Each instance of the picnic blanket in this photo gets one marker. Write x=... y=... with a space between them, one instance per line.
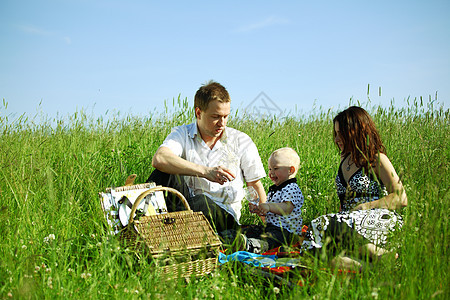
x=282 y=265
x=275 y=265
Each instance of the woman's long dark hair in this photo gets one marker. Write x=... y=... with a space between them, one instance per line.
x=359 y=136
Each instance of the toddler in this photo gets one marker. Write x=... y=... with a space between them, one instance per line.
x=282 y=210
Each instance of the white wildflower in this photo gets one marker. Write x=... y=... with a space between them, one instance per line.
x=50 y=282
x=374 y=293
x=49 y=238
x=276 y=290
x=85 y=275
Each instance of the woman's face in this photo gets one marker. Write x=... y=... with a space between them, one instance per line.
x=338 y=140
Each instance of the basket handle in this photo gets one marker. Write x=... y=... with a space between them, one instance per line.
x=152 y=190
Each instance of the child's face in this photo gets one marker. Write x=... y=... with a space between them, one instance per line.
x=279 y=170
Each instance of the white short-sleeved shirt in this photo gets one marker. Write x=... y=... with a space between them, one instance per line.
x=235 y=150
x=287 y=191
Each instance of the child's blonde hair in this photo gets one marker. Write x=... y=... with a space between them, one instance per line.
x=288 y=155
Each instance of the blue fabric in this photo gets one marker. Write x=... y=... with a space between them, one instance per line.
x=256 y=260
x=259 y=260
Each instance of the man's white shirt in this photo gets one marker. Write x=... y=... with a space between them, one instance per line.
x=235 y=150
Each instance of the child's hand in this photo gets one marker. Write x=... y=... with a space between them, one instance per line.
x=264 y=208
x=252 y=208
x=284 y=208
x=261 y=210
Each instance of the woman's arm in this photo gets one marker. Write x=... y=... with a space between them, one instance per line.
x=397 y=196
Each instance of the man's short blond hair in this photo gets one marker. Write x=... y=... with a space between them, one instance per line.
x=208 y=92
x=288 y=156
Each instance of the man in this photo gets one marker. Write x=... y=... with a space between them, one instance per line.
x=212 y=160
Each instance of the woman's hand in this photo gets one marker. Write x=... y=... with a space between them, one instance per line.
x=361 y=206
x=386 y=173
x=396 y=198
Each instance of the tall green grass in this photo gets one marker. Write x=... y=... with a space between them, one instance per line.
x=53 y=241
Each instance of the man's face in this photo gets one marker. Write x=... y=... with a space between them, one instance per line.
x=213 y=120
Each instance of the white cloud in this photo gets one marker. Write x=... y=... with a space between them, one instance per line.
x=270 y=21
x=67 y=40
x=41 y=32
x=34 y=30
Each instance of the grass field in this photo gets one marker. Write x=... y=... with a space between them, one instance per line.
x=53 y=241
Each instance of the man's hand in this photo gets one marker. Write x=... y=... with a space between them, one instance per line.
x=166 y=161
x=219 y=174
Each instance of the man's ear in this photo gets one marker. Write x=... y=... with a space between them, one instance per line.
x=197 y=112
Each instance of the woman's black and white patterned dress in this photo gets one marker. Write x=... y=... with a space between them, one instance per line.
x=373 y=225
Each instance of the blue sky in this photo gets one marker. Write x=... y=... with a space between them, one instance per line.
x=58 y=57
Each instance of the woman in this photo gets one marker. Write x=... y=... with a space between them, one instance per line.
x=368 y=187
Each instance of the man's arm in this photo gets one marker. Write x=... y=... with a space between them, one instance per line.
x=257 y=185
x=166 y=161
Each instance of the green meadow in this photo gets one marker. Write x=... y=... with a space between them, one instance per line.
x=53 y=235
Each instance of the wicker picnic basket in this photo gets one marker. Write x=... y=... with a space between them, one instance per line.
x=182 y=243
